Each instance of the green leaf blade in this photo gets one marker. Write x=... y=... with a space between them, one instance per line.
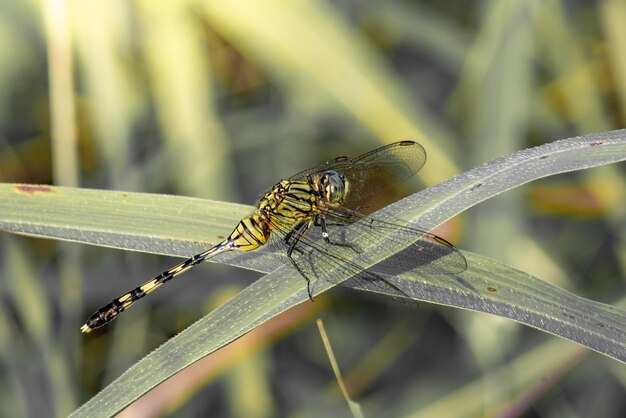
x=492 y=287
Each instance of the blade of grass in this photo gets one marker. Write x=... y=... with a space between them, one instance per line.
x=181 y=77
x=613 y=12
x=157 y=224
x=493 y=287
x=355 y=408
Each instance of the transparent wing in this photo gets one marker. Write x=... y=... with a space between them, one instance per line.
x=374 y=171
x=428 y=252
x=317 y=260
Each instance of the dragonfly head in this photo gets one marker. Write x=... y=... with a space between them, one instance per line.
x=333 y=186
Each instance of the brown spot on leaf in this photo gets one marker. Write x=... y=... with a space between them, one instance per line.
x=30 y=189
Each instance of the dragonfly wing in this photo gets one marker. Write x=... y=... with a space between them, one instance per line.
x=317 y=261
x=374 y=171
x=382 y=168
x=424 y=250
x=332 y=262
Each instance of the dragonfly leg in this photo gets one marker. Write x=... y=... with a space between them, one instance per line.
x=291 y=239
x=308 y=281
x=358 y=209
x=321 y=222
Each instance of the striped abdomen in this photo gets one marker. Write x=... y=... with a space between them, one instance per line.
x=249 y=234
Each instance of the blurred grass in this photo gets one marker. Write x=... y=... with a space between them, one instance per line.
x=220 y=99
x=65 y=171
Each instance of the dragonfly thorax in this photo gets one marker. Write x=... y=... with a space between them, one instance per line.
x=288 y=203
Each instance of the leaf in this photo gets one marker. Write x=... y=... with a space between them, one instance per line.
x=486 y=286
x=158 y=224
x=493 y=287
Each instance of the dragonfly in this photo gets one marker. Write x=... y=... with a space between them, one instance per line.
x=304 y=219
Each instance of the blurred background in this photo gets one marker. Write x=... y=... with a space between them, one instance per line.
x=220 y=99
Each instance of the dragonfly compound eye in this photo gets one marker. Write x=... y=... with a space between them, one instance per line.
x=334 y=187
